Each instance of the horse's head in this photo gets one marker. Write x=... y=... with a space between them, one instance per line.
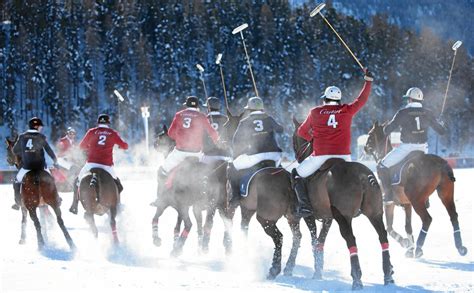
x=12 y=159
x=301 y=147
x=378 y=143
x=163 y=143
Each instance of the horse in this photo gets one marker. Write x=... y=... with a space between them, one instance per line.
x=183 y=194
x=414 y=190
x=37 y=187
x=99 y=194
x=271 y=197
x=342 y=190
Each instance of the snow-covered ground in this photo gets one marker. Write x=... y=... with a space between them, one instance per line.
x=138 y=266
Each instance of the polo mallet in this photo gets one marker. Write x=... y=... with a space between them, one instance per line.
x=317 y=10
x=218 y=62
x=201 y=70
x=239 y=29
x=455 y=49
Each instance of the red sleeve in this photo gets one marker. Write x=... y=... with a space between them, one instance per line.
x=209 y=129
x=358 y=103
x=84 y=144
x=61 y=146
x=305 y=130
x=120 y=142
x=172 y=131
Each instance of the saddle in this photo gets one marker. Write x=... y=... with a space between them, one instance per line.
x=248 y=174
x=397 y=170
x=324 y=168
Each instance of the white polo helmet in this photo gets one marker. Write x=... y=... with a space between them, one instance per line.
x=414 y=93
x=332 y=93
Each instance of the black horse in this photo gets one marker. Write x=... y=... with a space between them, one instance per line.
x=343 y=190
x=423 y=175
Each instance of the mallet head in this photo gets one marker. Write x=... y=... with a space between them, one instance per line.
x=317 y=9
x=199 y=67
x=219 y=58
x=457 y=45
x=240 y=28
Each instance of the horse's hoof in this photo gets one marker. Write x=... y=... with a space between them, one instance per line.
x=357 y=285
x=288 y=272
x=176 y=252
x=418 y=252
x=273 y=273
x=405 y=242
x=409 y=253
x=22 y=241
x=317 y=276
x=157 y=241
x=73 y=210
x=388 y=280
x=462 y=250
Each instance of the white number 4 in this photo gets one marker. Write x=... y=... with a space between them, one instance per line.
x=29 y=144
x=332 y=121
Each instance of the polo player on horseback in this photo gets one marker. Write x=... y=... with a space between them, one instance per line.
x=413 y=120
x=253 y=142
x=213 y=153
x=99 y=143
x=30 y=146
x=187 y=129
x=328 y=127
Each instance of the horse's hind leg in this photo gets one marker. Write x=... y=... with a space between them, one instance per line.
x=178 y=246
x=89 y=216
x=318 y=249
x=34 y=218
x=154 y=225
x=177 y=228
x=409 y=242
x=272 y=230
x=389 y=213
x=345 y=227
x=227 y=240
x=246 y=217
x=208 y=228
x=377 y=222
x=24 y=213
x=113 y=224
x=296 y=232
x=446 y=194
x=426 y=220
x=60 y=221
x=198 y=216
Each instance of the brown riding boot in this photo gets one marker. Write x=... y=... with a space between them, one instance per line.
x=303 y=208
x=17 y=192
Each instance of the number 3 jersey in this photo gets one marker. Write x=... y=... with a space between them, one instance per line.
x=329 y=126
x=99 y=143
x=30 y=146
x=414 y=121
x=188 y=129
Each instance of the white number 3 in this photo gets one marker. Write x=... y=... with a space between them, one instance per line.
x=187 y=122
x=332 y=121
x=258 y=125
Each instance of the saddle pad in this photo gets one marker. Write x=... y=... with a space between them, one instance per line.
x=396 y=171
x=247 y=178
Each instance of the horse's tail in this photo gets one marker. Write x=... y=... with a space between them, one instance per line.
x=95 y=183
x=448 y=171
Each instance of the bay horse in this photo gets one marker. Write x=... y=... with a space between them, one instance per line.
x=271 y=197
x=37 y=187
x=423 y=175
x=342 y=190
x=99 y=194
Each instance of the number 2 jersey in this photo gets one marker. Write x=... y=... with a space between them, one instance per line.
x=329 y=126
x=414 y=121
x=31 y=146
x=99 y=143
x=188 y=129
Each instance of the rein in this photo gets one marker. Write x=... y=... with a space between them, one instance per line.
x=298 y=156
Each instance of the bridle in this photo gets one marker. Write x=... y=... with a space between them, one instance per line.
x=374 y=151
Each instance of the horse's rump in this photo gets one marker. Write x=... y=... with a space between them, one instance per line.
x=187 y=184
x=104 y=188
x=38 y=187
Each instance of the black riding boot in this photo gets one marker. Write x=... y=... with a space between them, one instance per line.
x=385 y=179
x=161 y=186
x=298 y=184
x=16 y=189
x=75 y=197
x=234 y=176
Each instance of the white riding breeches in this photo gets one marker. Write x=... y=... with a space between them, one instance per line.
x=176 y=157
x=22 y=172
x=88 y=166
x=396 y=155
x=211 y=159
x=245 y=161
x=313 y=163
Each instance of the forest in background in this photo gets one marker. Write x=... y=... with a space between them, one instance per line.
x=62 y=60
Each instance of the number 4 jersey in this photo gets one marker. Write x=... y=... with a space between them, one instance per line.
x=30 y=146
x=329 y=126
x=99 y=144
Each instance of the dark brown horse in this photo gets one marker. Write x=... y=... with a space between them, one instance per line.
x=424 y=174
x=271 y=197
x=342 y=190
x=37 y=187
x=99 y=194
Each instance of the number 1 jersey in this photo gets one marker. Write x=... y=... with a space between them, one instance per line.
x=99 y=144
